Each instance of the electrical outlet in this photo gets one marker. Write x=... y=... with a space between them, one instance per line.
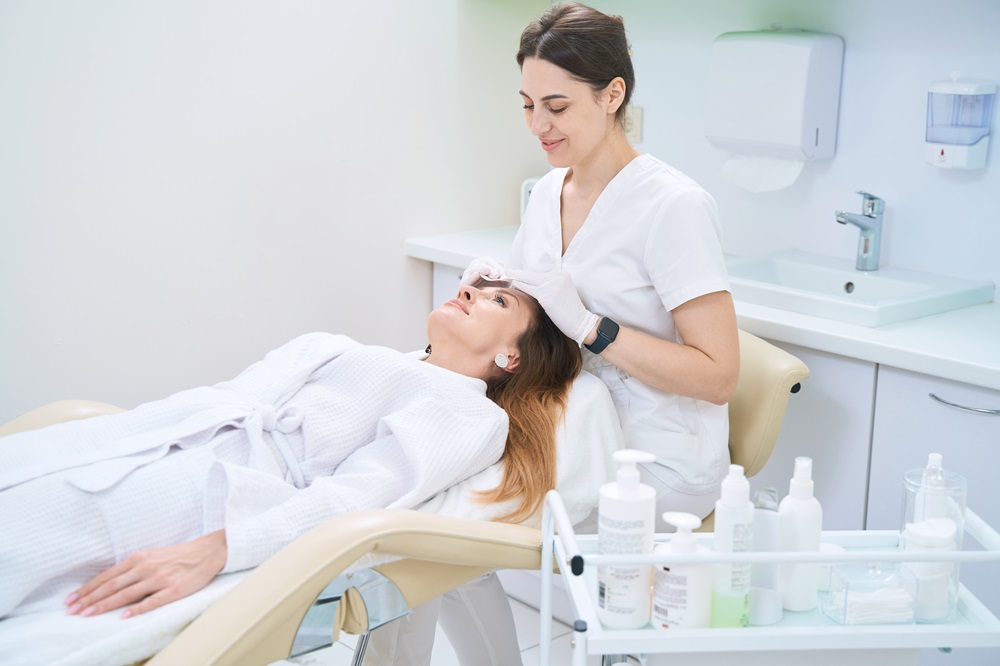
x=633 y=124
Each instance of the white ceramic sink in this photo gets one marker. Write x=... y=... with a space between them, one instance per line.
x=831 y=287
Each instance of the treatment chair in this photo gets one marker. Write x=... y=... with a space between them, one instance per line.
x=256 y=622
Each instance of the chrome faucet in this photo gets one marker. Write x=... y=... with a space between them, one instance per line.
x=870 y=224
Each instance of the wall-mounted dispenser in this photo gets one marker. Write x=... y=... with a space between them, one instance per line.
x=775 y=93
x=959 y=116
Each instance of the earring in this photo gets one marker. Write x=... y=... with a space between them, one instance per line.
x=428 y=350
x=501 y=361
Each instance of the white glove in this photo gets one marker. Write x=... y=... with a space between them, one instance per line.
x=559 y=299
x=486 y=267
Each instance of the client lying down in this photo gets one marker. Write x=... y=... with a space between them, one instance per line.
x=145 y=507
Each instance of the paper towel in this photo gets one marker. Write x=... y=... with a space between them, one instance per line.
x=761 y=174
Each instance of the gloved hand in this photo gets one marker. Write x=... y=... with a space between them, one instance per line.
x=486 y=267
x=560 y=300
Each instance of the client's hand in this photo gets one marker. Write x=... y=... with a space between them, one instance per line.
x=152 y=577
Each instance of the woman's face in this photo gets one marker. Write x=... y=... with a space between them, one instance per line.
x=480 y=323
x=563 y=112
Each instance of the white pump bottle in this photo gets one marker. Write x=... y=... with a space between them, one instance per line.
x=625 y=524
x=733 y=534
x=801 y=531
x=682 y=593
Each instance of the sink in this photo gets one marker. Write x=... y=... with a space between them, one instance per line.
x=831 y=287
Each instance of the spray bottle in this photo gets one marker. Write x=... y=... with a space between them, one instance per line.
x=626 y=512
x=801 y=531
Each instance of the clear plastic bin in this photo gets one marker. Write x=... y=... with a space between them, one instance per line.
x=877 y=593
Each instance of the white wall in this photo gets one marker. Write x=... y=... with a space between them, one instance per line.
x=936 y=220
x=186 y=185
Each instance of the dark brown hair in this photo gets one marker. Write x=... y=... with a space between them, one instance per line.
x=534 y=397
x=588 y=44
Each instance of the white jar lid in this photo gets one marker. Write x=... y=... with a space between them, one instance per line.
x=964 y=87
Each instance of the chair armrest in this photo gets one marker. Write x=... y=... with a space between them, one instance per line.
x=256 y=622
x=57 y=412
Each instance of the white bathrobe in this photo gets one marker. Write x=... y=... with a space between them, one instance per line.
x=321 y=426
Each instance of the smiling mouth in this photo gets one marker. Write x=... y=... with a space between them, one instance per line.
x=549 y=144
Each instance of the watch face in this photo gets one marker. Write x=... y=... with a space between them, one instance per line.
x=608 y=329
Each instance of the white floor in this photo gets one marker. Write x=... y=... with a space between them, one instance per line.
x=525 y=617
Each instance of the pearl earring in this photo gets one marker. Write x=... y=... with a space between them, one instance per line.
x=501 y=361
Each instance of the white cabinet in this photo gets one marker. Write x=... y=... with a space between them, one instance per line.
x=830 y=421
x=445 y=282
x=909 y=424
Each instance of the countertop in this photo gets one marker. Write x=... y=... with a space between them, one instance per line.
x=961 y=345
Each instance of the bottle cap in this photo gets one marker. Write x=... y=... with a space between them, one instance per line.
x=683 y=540
x=801 y=485
x=628 y=473
x=735 y=488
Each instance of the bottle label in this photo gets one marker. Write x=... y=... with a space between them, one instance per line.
x=735 y=578
x=619 y=585
x=670 y=598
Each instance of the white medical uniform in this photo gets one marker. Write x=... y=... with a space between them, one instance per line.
x=321 y=426
x=650 y=243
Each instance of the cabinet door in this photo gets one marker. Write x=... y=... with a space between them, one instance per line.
x=909 y=424
x=829 y=420
x=445 y=283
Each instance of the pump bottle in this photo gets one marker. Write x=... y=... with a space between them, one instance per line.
x=682 y=593
x=626 y=512
x=801 y=531
x=733 y=534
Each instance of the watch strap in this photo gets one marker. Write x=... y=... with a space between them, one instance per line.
x=607 y=331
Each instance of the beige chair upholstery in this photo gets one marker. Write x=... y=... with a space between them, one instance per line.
x=768 y=375
x=255 y=623
x=57 y=412
x=756 y=411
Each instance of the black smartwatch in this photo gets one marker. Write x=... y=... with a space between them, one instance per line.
x=607 y=331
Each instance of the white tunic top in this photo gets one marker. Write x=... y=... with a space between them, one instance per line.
x=651 y=242
x=321 y=426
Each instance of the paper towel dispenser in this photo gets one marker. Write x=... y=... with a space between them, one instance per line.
x=775 y=93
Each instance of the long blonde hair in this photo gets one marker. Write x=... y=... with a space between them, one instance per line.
x=534 y=397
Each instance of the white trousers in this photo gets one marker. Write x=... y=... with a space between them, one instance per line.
x=477 y=617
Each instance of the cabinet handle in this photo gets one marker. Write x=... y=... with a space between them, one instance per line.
x=977 y=410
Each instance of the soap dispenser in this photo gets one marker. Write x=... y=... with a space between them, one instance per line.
x=626 y=511
x=959 y=117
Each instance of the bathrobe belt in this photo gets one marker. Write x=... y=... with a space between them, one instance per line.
x=277 y=424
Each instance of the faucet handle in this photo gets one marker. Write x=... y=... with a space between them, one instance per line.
x=871 y=205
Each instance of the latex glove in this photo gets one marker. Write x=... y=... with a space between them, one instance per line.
x=152 y=577
x=486 y=267
x=560 y=300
